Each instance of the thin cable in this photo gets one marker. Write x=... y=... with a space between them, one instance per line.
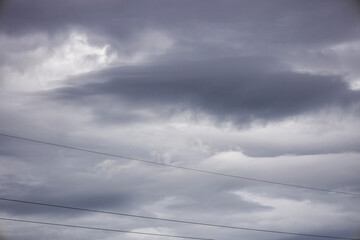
x=158 y=234
x=105 y=229
x=172 y=220
x=179 y=167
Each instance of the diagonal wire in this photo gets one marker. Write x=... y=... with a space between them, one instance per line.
x=103 y=229
x=172 y=220
x=154 y=234
x=180 y=167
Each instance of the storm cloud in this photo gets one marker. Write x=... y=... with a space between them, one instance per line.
x=238 y=90
x=267 y=90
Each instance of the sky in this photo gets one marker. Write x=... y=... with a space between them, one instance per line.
x=266 y=90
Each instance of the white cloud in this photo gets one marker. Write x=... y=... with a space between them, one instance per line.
x=338 y=59
x=38 y=61
x=47 y=60
x=294 y=215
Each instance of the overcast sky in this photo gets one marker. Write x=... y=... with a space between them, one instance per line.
x=259 y=89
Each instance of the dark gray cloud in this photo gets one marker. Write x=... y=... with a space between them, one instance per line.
x=295 y=22
x=242 y=62
x=238 y=90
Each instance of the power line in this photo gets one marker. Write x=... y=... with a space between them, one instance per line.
x=167 y=219
x=104 y=229
x=180 y=167
x=167 y=235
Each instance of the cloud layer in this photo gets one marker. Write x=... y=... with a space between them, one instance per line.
x=241 y=90
x=259 y=89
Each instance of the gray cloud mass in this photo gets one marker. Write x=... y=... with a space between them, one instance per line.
x=237 y=90
x=260 y=89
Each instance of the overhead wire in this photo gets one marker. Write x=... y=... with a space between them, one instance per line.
x=159 y=234
x=180 y=167
x=103 y=229
x=165 y=219
x=156 y=218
